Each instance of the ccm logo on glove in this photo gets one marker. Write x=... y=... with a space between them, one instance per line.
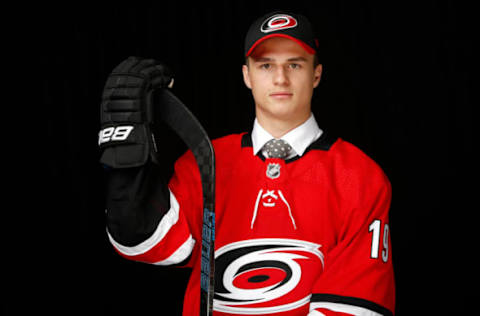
x=117 y=133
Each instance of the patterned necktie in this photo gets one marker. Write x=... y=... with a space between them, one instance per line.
x=277 y=148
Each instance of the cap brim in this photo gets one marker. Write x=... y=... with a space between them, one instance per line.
x=305 y=46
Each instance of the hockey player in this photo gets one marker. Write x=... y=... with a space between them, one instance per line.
x=302 y=222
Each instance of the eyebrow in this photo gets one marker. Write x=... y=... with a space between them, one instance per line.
x=297 y=59
x=266 y=59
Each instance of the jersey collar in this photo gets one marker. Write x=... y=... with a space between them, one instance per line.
x=299 y=138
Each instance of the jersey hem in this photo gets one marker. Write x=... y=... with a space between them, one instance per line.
x=354 y=301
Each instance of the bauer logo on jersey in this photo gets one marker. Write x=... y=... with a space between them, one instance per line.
x=263 y=276
x=278 y=22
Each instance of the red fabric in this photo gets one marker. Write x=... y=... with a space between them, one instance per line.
x=333 y=196
x=312 y=229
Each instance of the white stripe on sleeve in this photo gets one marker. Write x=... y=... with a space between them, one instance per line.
x=180 y=254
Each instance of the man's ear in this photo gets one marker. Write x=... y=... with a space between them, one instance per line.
x=246 y=77
x=317 y=74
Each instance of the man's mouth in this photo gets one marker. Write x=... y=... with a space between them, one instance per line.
x=281 y=95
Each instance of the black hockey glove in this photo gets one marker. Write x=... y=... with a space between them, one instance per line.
x=126 y=117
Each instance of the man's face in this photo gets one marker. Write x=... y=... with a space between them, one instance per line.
x=281 y=75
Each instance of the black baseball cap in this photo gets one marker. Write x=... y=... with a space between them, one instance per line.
x=281 y=24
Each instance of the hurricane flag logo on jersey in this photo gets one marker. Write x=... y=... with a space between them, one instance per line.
x=278 y=22
x=261 y=276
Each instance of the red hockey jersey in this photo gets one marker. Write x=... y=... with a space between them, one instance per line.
x=305 y=236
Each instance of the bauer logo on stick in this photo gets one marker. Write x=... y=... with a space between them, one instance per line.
x=278 y=22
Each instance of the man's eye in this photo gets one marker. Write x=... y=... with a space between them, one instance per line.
x=295 y=66
x=265 y=66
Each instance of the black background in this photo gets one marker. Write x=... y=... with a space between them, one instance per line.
x=397 y=83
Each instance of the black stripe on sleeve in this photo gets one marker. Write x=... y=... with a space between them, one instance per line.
x=354 y=301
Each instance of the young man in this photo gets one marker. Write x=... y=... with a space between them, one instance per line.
x=301 y=216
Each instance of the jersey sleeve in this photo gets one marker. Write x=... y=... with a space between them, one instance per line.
x=160 y=216
x=358 y=275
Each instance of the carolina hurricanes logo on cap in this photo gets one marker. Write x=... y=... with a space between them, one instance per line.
x=278 y=22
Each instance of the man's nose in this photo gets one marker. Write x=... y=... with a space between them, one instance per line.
x=281 y=76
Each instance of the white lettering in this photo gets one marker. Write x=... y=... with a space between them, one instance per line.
x=118 y=133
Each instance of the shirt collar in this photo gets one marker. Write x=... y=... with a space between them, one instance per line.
x=299 y=138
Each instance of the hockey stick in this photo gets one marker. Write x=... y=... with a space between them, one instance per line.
x=178 y=117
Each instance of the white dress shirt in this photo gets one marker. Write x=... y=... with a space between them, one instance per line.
x=299 y=138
